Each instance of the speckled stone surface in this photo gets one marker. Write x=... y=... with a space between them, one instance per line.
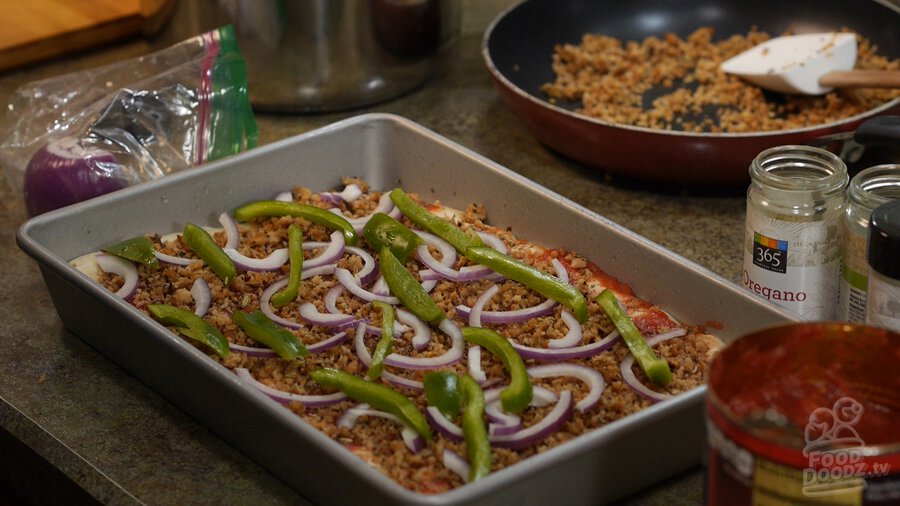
x=124 y=444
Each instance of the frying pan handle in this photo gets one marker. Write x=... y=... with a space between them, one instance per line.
x=879 y=131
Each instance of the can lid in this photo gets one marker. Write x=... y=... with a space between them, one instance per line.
x=884 y=240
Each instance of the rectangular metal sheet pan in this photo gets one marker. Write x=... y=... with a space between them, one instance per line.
x=386 y=150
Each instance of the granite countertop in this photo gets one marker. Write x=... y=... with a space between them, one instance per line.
x=90 y=423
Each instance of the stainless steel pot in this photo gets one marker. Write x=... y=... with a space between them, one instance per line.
x=327 y=55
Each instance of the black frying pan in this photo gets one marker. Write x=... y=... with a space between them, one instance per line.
x=518 y=47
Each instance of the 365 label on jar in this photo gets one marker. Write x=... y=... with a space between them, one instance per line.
x=794 y=264
x=770 y=254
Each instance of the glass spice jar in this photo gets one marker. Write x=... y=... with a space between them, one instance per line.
x=869 y=189
x=883 y=308
x=795 y=205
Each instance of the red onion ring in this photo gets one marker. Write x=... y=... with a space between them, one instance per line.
x=456 y=463
x=421 y=331
x=411 y=439
x=558 y=355
x=232 y=234
x=512 y=316
x=379 y=287
x=350 y=193
x=331 y=254
x=504 y=423
x=366 y=358
x=474 y=358
x=312 y=401
x=593 y=378
x=319 y=347
x=266 y=307
x=352 y=285
x=284 y=196
x=628 y=373
x=535 y=433
x=273 y=262
x=451 y=357
x=443 y=425
x=202 y=296
x=370 y=268
x=311 y=314
x=385 y=205
x=117 y=265
x=253 y=351
x=573 y=336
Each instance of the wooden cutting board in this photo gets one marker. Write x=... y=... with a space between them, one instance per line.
x=38 y=29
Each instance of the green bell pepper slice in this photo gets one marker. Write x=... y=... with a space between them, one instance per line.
x=137 y=249
x=518 y=394
x=386 y=343
x=263 y=330
x=384 y=231
x=295 y=253
x=442 y=391
x=190 y=325
x=204 y=246
x=478 y=446
x=434 y=224
x=376 y=395
x=543 y=283
x=410 y=292
x=656 y=368
x=265 y=208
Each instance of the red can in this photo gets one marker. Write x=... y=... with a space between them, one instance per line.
x=807 y=414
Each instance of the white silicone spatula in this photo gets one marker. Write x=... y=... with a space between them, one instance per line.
x=811 y=64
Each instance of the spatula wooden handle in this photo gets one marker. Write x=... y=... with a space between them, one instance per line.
x=861 y=79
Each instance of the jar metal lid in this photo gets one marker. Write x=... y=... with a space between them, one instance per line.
x=884 y=240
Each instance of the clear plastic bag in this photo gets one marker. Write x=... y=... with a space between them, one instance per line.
x=86 y=133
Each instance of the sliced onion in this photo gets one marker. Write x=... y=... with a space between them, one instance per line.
x=349 y=282
x=284 y=197
x=411 y=439
x=350 y=193
x=474 y=361
x=560 y=354
x=456 y=463
x=449 y=358
x=561 y=271
x=273 y=262
x=232 y=234
x=443 y=424
x=573 y=336
x=366 y=358
x=443 y=269
x=331 y=254
x=595 y=381
x=174 y=260
x=539 y=431
x=474 y=358
x=385 y=205
x=253 y=351
x=512 y=316
x=493 y=241
x=311 y=314
x=504 y=423
x=117 y=265
x=370 y=268
x=628 y=373
x=266 y=307
x=331 y=297
x=421 y=331
x=380 y=287
x=202 y=296
x=322 y=270
x=283 y=397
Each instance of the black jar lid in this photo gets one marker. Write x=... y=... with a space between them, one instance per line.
x=884 y=239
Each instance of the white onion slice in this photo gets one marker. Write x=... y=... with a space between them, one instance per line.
x=117 y=265
x=202 y=296
x=288 y=397
x=411 y=439
x=174 y=260
x=560 y=354
x=595 y=381
x=366 y=358
x=449 y=358
x=232 y=234
x=352 y=285
x=456 y=463
x=573 y=336
x=284 y=197
x=273 y=262
x=535 y=433
x=628 y=373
